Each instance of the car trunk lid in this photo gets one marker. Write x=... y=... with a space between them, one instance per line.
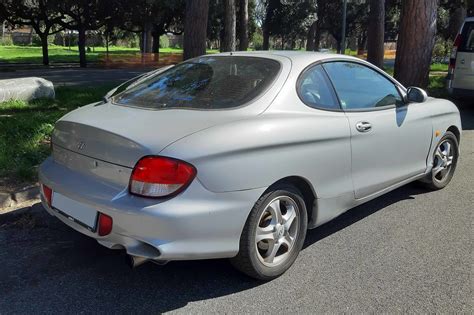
x=122 y=135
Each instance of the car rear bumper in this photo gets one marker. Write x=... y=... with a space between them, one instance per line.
x=197 y=224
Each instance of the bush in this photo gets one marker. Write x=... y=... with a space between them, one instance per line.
x=164 y=41
x=36 y=40
x=257 y=41
x=6 y=41
x=441 y=50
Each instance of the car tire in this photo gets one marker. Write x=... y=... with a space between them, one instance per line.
x=280 y=238
x=445 y=158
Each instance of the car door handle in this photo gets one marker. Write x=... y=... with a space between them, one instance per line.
x=363 y=126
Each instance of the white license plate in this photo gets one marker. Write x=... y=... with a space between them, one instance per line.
x=75 y=211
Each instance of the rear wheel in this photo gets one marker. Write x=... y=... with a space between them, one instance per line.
x=273 y=234
x=444 y=162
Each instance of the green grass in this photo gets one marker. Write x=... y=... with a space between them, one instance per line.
x=441 y=67
x=25 y=129
x=57 y=54
x=61 y=54
x=437 y=86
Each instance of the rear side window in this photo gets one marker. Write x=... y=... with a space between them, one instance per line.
x=218 y=82
x=316 y=91
x=467 y=44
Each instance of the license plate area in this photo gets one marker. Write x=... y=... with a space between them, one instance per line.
x=77 y=212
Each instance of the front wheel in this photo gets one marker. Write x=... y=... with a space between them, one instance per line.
x=273 y=234
x=444 y=162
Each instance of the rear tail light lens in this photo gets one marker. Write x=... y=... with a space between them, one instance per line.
x=157 y=176
x=454 y=52
x=452 y=59
x=105 y=224
x=47 y=194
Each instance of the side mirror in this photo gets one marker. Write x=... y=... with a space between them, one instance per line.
x=416 y=95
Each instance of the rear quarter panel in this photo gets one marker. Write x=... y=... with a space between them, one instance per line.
x=257 y=152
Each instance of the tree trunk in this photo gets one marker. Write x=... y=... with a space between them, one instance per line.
x=44 y=46
x=375 y=33
x=44 y=41
x=107 y=45
x=147 y=38
x=195 y=28
x=266 y=24
x=244 y=21
x=310 y=36
x=81 y=44
x=156 y=46
x=317 y=38
x=229 y=26
x=266 y=38
x=361 y=43
x=415 y=42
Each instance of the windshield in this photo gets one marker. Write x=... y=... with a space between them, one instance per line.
x=205 y=83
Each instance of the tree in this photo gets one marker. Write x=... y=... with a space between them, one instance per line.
x=310 y=37
x=152 y=18
x=328 y=20
x=267 y=22
x=451 y=15
x=39 y=14
x=83 y=16
x=229 y=41
x=288 y=22
x=195 y=26
x=415 y=42
x=375 y=33
x=244 y=21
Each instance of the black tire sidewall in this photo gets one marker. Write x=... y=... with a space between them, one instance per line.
x=441 y=184
x=264 y=272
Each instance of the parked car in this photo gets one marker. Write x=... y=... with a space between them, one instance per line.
x=236 y=155
x=461 y=65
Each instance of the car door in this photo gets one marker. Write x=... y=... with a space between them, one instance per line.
x=389 y=139
x=464 y=71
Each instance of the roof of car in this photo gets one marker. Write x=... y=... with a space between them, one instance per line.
x=293 y=55
x=470 y=19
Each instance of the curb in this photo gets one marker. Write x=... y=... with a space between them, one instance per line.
x=27 y=193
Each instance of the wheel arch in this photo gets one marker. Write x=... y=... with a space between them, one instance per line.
x=456 y=132
x=306 y=189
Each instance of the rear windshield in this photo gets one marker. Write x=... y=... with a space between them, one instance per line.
x=217 y=82
x=467 y=44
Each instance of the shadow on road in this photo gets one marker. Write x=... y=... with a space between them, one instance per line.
x=46 y=267
x=466 y=108
x=359 y=213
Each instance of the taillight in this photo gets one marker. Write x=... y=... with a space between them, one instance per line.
x=105 y=224
x=452 y=59
x=157 y=176
x=48 y=194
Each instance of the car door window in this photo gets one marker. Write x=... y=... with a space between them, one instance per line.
x=315 y=90
x=467 y=38
x=360 y=87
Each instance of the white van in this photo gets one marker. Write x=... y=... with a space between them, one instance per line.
x=461 y=64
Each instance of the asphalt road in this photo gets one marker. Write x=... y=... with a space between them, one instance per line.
x=408 y=251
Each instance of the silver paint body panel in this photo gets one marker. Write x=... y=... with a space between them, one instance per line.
x=238 y=153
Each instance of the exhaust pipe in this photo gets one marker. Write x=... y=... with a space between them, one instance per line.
x=135 y=261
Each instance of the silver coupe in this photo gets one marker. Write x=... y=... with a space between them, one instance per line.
x=236 y=155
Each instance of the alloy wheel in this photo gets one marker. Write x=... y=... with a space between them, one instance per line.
x=443 y=160
x=277 y=231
